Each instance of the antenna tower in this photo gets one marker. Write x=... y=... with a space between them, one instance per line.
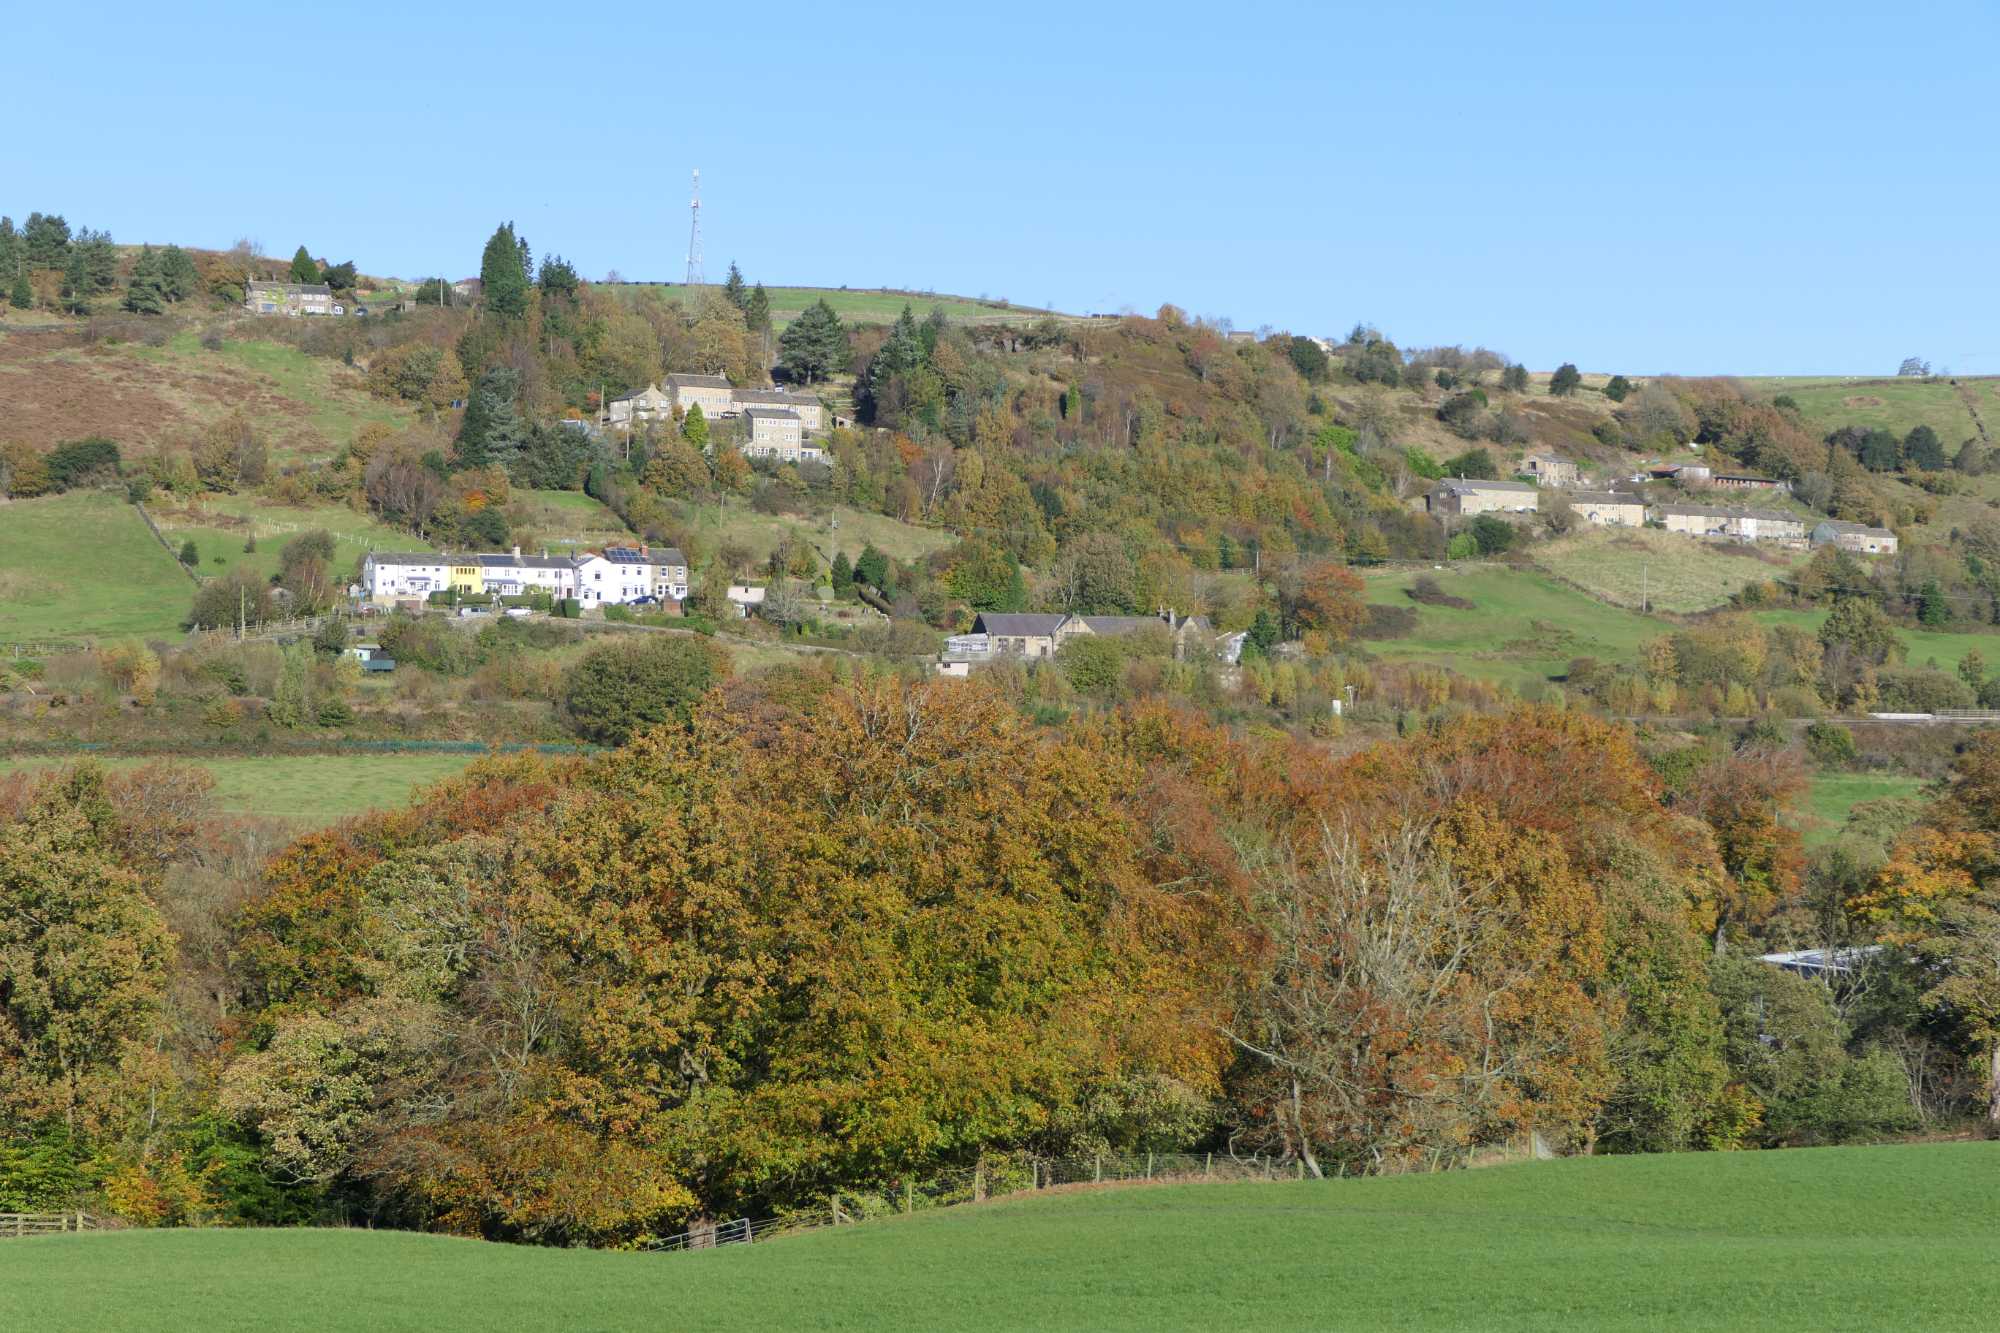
x=694 y=278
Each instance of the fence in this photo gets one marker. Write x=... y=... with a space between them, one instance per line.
x=169 y=546
x=995 y=1177
x=42 y=1224
x=264 y=629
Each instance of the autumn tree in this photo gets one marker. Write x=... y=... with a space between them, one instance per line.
x=622 y=687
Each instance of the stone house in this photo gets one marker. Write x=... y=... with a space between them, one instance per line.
x=511 y=574
x=1550 y=470
x=1744 y=525
x=775 y=432
x=811 y=412
x=1616 y=509
x=1463 y=498
x=1022 y=634
x=709 y=392
x=638 y=407
x=1857 y=538
x=289 y=298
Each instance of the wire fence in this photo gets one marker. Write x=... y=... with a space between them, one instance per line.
x=992 y=1178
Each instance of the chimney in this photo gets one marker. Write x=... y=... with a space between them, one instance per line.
x=517 y=555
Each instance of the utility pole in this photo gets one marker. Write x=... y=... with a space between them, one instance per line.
x=1645 y=586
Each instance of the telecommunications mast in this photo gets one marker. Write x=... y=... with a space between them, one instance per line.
x=694 y=278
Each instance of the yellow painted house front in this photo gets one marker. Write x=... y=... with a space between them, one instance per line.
x=468 y=580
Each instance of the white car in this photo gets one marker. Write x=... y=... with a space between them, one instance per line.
x=520 y=612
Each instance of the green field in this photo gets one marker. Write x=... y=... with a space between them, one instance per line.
x=1831 y=796
x=860 y=305
x=1827 y=402
x=219 y=524
x=1831 y=1238
x=1670 y=572
x=310 y=789
x=737 y=523
x=83 y=564
x=1922 y=647
x=566 y=518
x=1522 y=627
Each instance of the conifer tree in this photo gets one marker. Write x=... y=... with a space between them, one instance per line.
x=304 y=268
x=757 y=310
x=813 y=345
x=145 y=293
x=733 y=288
x=843 y=575
x=22 y=296
x=178 y=276
x=503 y=282
x=694 y=427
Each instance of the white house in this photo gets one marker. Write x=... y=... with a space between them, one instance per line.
x=396 y=577
x=517 y=575
x=744 y=596
x=614 y=577
x=639 y=406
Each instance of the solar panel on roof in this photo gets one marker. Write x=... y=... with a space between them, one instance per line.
x=624 y=555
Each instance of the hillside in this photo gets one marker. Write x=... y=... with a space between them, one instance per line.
x=1958 y=409
x=1822 y=1238
x=879 y=305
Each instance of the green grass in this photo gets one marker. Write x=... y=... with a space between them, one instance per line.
x=1835 y=1238
x=1897 y=405
x=881 y=306
x=82 y=565
x=220 y=543
x=1831 y=796
x=737 y=523
x=1670 y=572
x=311 y=789
x=1523 y=626
x=565 y=519
x=1922 y=647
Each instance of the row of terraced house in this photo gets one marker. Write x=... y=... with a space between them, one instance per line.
x=617 y=575
x=783 y=426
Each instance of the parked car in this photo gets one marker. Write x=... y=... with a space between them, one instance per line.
x=474 y=610
x=520 y=612
x=645 y=601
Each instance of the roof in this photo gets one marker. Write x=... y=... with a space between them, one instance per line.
x=1724 y=511
x=1605 y=498
x=1122 y=624
x=635 y=555
x=698 y=381
x=1852 y=529
x=1018 y=624
x=1463 y=484
x=289 y=288
x=638 y=393
x=1742 y=476
x=773 y=396
x=770 y=413
x=409 y=557
x=507 y=560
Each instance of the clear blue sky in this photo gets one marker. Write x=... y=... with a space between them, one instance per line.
x=1691 y=187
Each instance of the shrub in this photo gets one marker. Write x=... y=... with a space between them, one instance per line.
x=1427 y=590
x=1921 y=690
x=1830 y=744
x=620 y=689
x=1388 y=622
x=433 y=645
x=618 y=613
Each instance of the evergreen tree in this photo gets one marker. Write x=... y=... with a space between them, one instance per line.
x=76 y=284
x=757 y=310
x=22 y=295
x=146 y=293
x=189 y=555
x=178 y=276
x=45 y=240
x=492 y=433
x=1514 y=379
x=1923 y=449
x=694 y=427
x=503 y=282
x=1565 y=381
x=10 y=250
x=1263 y=633
x=100 y=259
x=304 y=267
x=843 y=575
x=813 y=345
x=733 y=288
x=1617 y=388
x=872 y=569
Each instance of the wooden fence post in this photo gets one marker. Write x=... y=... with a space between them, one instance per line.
x=907 y=1204
x=1149 y=1165
x=1098 y=1178
x=1208 y=1167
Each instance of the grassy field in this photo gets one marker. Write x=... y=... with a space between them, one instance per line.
x=1672 y=573
x=1896 y=405
x=1832 y=1238
x=309 y=789
x=1832 y=795
x=565 y=518
x=328 y=395
x=1523 y=626
x=1922 y=647
x=83 y=564
x=880 y=305
x=219 y=524
x=735 y=522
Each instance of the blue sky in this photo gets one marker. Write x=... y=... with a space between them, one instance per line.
x=1680 y=188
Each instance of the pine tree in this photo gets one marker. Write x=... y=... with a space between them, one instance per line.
x=503 y=282
x=492 y=433
x=304 y=268
x=843 y=575
x=1565 y=381
x=178 y=275
x=146 y=293
x=757 y=310
x=23 y=295
x=733 y=289
x=813 y=345
x=694 y=427
x=10 y=250
x=189 y=555
x=76 y=284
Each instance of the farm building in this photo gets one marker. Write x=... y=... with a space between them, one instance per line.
x=1693 y=474
x=811 y=413
x=289 y=298
x=1858 y=538
x=1023 y=635
x=1550 y=469
x=1744 y=481
x=1744 y=525
x=1456 y=495
x=1609 y=508
x=711 y=393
